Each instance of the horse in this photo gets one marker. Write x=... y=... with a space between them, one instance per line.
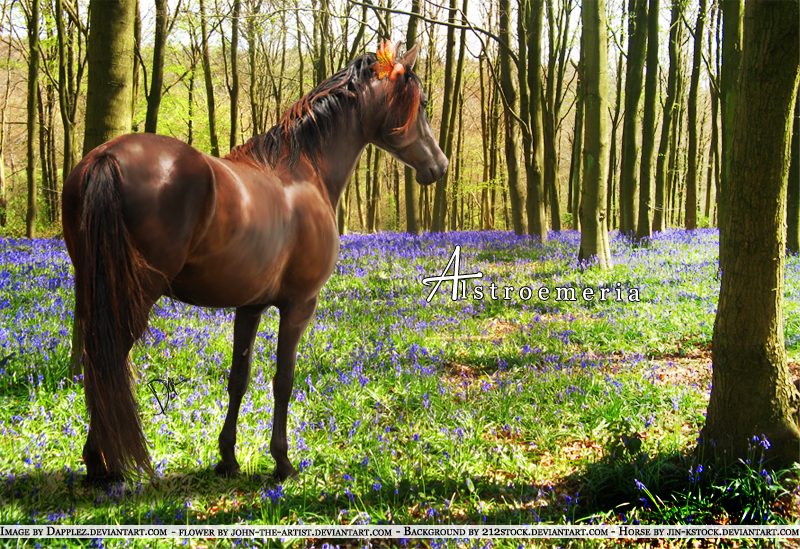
x=146 y=216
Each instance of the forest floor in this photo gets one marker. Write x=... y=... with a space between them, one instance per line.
x=538 y=408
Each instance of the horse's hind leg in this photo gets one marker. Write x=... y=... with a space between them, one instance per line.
x=245 y=327
x=294 y=320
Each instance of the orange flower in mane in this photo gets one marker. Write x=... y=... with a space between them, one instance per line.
x=386 y=64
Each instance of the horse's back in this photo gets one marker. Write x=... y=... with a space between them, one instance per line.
x=167 y=196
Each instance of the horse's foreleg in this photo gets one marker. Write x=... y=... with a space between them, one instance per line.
x=245 y=327
x=294 y=320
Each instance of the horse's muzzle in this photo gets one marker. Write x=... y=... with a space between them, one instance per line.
x=434 y=173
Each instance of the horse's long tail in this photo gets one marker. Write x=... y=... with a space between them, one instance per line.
x=113 y=308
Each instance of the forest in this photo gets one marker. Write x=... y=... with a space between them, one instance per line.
x=645 y=152
x=214 y=75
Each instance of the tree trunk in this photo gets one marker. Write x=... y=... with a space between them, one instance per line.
x=752 y=393
x=507 y=86
x=212 y=116
x=157 y=78
x=637 y=43
x=530 y=86
x=648 y=124
x=728 y=93
x=671 y=107
x=611 y=219
x=137 y=40
x=594 y=232
x=109 y=92
x=409 y=185
x=445 y=131
x=33 y=119
x=793 y=190
x=234 y=91
x=576 y=166
x=552 y=104
x=691 y=172
x=67 y=95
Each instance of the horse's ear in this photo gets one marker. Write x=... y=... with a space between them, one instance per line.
x=409 y=58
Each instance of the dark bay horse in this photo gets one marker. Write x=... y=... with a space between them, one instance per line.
x=146 y=215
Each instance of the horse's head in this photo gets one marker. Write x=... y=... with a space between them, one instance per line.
x=401 y=127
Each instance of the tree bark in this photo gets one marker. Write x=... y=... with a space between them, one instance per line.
x=67 y=88
x=530 y=93
x=671 y=107
x=409 y=185
x=212 y=110
x=507 y=87
x=793 y=190
x=33 y=119
x=648 y=124
x=445 y=131
x=594 y=232
x=234 y=90
x=157 y=72
x=637 y=43
x=690 y=218
x=752 y=394
x=576 y=166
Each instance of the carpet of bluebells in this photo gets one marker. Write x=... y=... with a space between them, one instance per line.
x=405 y=410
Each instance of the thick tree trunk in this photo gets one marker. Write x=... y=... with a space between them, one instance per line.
x=637 y=43
x=691 y=172
x=33 y=119
x=732 y=11
x=212 y=109
x=752 y=394
x=594 y=232
x=648 y=124
x=110 y=53
x=157 y=78
x=671 y=107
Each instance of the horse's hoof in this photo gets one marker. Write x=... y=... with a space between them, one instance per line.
x=283 y=473
x=227 y=470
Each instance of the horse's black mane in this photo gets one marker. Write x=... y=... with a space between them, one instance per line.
x=307 y=124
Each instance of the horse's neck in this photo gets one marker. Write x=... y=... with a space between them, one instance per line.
x=341 y=156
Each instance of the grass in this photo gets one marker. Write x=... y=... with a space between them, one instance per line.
x=469 y=411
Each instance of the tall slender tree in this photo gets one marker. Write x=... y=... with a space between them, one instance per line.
x=594 y=231
x=690 y=218
x=445 y=130
x=671 y=111
x=510 y=100
x=33 y=119
x=157 y=72
x=530 y=93
x=210 y=101
x=648 y=124
x=410 y=187
x=637 y=45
